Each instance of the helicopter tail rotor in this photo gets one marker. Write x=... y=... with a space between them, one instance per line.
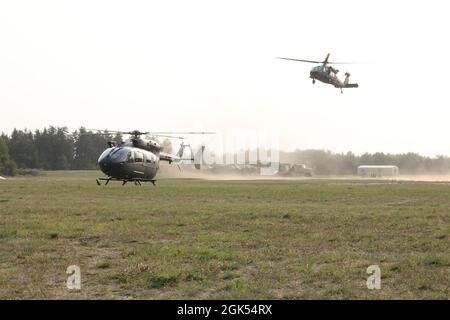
x=346 y=82
x=347 y=78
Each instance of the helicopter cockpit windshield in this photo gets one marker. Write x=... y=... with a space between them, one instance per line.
x=119 y=155
x=104 y=154
x=115 y=154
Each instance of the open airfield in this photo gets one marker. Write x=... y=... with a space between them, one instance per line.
x=229 y=238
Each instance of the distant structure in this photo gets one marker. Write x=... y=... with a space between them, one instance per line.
x=377 y=171
x=298 y=170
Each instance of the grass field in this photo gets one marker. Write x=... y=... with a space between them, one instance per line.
x=223 y=239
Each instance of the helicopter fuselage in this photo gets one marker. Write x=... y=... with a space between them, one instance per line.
x=326 y=75
x=129 y=163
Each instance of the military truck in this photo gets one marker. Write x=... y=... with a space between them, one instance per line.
x=295 y=170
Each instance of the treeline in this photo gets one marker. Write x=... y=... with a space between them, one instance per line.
x=53 y=148
x=327 y=162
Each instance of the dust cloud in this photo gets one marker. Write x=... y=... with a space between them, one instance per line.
x=186 y=172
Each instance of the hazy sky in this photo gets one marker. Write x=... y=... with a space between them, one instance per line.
x=210 y=65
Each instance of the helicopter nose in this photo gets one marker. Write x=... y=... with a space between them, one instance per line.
x=111 y=167
x=103 y=163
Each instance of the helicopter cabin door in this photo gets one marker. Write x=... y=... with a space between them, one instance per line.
x=147 y=160
x=138 y=158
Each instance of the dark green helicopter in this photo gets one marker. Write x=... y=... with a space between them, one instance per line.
x=137 y=159
x=327 y=74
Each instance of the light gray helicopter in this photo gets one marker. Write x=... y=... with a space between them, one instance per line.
x=327 y=74
x=137 y=159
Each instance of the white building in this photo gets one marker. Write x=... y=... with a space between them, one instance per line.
x=377 y=171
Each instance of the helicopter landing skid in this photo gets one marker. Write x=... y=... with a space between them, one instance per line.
x=137 y=182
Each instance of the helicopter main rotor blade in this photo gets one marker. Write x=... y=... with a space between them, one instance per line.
x=312 y=61
x=105 y=131
x=166 y=136
x=331 y=62
x=181 y=132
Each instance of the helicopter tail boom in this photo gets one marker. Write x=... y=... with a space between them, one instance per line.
x=196 y=159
